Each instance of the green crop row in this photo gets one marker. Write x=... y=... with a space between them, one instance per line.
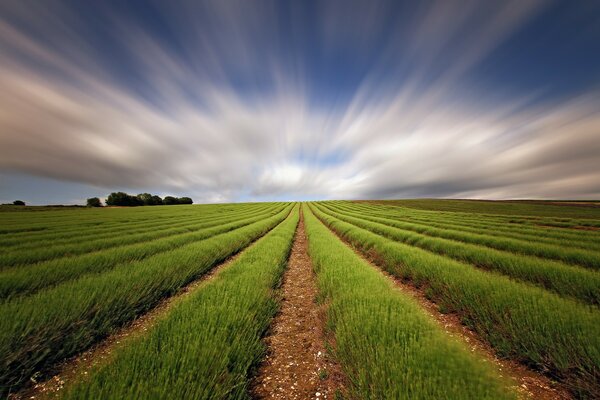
x=205 y=347
x=552 y=334
x=52 y=250
x=47 y=327
x=107 y=231
x=504 y=209
x=386 y=344
x=477 y=224
x=577 y=282
x=25 y=281
x=78 y=233
x=61 y=221
x=573 y=256
x=68 y=250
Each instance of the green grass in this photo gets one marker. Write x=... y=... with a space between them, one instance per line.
x=45 y=328
x=519 y=208
x=552 y=334
x=206 y=346
x=107 y=230
x=576 y=282
x=386 y=344
x=41 y=253
x=582 y=257
x=477 y=223
x=22 y=281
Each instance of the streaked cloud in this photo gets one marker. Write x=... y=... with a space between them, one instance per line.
x=268 y=100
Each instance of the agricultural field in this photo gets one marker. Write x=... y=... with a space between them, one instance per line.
x=402 y=299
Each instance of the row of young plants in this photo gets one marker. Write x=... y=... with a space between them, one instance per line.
x=552 y=334
x=582 y=257
x=40 y=330
x=476 y=223
x=125 y=228
x=387 y=345
x=22 y=281
x=56 y=250
x=582 y=239
x=519 y=211
x=479 y=224
x=576 y=282
x=39 y=222
x=67 y=226
x=16 y=222
x=206 y=346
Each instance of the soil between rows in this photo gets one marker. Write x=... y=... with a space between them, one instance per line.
x=297 y=365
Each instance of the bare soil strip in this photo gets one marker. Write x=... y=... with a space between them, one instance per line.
x=79 y=366
x=528 y=384
x=297 y=365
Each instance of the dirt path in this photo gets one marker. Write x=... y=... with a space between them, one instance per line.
x=79 y=366
x=529 y=384
x=297 y=365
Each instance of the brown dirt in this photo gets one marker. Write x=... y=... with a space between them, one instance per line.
x=297 y=365
x=79 y=367
x=527 y=383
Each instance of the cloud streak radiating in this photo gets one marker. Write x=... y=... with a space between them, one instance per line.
x=236 y=100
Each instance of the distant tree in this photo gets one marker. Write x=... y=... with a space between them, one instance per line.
x=170 y=200
x=94 y=202
x=123 y=199
x=18 y=203
x=150 y=200
x=145 y=198
x=117 y=199
x=157 y=201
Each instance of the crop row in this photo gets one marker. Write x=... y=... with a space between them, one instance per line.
x=26 y=280
x=97 y=234
x=478 y=224
x=204 y=348
x=385 y=342
x=503 y=210
x=58 y=221
x=577 y=282
x=108 y=230
x=520 y=321
x=580 y=257
x=44 y=328
x=78 y=233
x=68 y=250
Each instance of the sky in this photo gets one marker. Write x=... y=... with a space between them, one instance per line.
x=251 y=100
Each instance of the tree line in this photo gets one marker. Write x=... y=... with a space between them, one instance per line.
x=123 y=199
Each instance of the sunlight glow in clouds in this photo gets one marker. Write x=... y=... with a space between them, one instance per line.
x=236 y=100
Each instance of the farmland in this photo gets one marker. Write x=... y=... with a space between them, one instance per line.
x=407 y=299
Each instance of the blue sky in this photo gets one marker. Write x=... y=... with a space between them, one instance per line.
x=270 y=100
